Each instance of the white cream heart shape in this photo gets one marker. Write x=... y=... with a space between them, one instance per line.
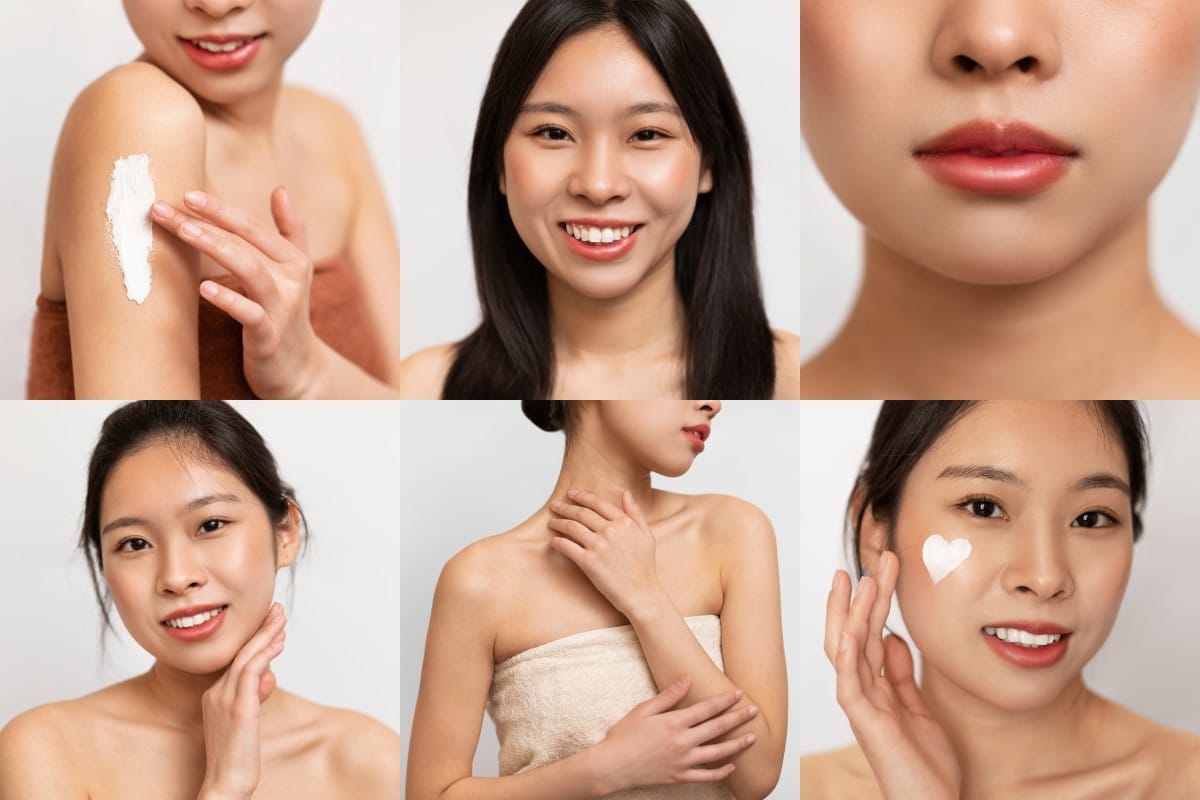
x=942 y=557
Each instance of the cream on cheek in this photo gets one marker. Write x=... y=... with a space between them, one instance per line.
x=942 y=557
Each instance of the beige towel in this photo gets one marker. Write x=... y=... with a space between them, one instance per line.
x=556 y=699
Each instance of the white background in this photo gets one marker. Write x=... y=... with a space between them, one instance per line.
x=1148 y=664
x=54 y=49
x=479 y=468
x=342 y=648
x=446 y=51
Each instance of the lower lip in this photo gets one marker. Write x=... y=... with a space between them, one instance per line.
x=697 y=442
x=1032 y=657
x=197 y=632
x=1012 y=176
x=235 y=59
x=601 y=252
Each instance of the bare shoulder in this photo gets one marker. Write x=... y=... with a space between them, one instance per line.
x=422 y=375
x=1175 y=756
x=321 y=109
x=728 y=516
x=787 y=366
x=365 y=755
x=838 y=775
x=37 y=755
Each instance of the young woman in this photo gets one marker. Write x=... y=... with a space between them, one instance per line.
x=1006 y=531
x=203 y=113
x=641 y=646
x=611 y=219
x=1000 y=158
x=186 y=523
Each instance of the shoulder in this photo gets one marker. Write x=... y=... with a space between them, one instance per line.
x=1176 y=756
x=423 y=374
x=327 y=126
x=365 y=755
x=135 y=97
x=36 y=753
x=728 y=516
x=787 y=366
x=473 y=573
x=320 y=109
x=838 y=775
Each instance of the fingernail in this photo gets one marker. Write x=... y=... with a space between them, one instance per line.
x=194 y=198
x=751 y=738
x=190 y=230
x=162 y=210
x=739 y=694
x=556 y=504
x=208 y=289
x=752 y=711
x=572 y=492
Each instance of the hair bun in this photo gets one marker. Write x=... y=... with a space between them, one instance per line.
x=549 y=415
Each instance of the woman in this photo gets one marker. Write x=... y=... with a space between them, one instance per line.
x=610 y=219
x=203 y=112
x=641 y=646
x=1000 y=158
x=186 y=523
x=1006 y=531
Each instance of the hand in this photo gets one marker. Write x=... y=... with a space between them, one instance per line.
x=232 y=707
x=655 y=746
x=905 y=745
x=281 y=354
x=613 y=546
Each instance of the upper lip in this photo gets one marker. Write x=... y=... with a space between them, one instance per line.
x=996 y=137
x=1032 y=627
x=592 y=222
x=222 y=38
x=191 y=611
x=701 y=431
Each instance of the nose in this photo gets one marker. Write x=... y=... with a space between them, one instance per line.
x=179 y=570
x=599 y=175
x=992 y=39
x=1037 y=565
x=218 y=8
x=709 y=407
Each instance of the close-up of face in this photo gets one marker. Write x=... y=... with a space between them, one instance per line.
x=1015 y=541
x=222 y=50
x=665 y=436
x=189 y=556
x=601 y=173
x=997 y=143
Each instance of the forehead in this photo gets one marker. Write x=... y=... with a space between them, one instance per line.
x=600 y=66
x=165 y=475
x=1047 y=444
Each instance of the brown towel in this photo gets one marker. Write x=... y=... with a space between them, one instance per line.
x=339 y=316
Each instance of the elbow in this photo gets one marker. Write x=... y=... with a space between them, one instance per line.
x=755 y=782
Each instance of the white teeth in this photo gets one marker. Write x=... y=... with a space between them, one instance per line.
x=193 y=621
x=1023 y=638
x=227 y=47
x=594 y=235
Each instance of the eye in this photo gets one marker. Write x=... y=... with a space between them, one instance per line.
x=1094 y=519
x=982 y=507
x=133 y=544
x=552 y=133
x=212 y=525
x=648 y=135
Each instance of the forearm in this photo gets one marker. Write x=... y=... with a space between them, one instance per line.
x=338 y=378
x=581 y=776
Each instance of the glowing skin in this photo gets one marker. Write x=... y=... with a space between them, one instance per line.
x=942 y=557
x=130 y=196
x=601 y=140
x=660 y=433
x=170 y=556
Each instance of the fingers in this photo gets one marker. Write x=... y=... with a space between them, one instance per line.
x=249 y=313
x=601 y=506
x=266 y=685
x=238 y=222
x=581 y=514
x=633 y=510
x=287 y=220
x=849 y=683
x=569 y=549
x=898 y=668
x=249 y=682
x=262 y=638
x=836 y=610
x=888 y=568
x=668 y=698
x=707 y=709
x=712 y=753
x=707 y=775
x=577 y=532
x=719 y=726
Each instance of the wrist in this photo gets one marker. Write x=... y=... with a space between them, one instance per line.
x=315 y=374
x=650 y=607
x=594 y=774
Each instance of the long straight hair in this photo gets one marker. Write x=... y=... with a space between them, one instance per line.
x=728 y=345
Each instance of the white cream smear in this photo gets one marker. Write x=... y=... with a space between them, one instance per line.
x=942 y=557
x=130 y=195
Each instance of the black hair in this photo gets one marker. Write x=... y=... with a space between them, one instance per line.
x=728 y=344
x=549 y=415
x=906 y=430
x=210 y=429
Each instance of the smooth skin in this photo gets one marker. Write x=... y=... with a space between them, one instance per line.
x=1051 y=541
x=207 y=720
x=617 y=553
x=238 y=137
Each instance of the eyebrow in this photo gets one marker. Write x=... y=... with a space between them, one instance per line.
x=198 y=503
x=1103 y=480
x=637 y=109
x=983 y=471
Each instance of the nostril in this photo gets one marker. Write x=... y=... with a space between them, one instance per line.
x=1027 y=64
x=966 y=63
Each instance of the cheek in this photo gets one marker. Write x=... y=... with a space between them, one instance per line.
x=531 y=182
x=669 y=181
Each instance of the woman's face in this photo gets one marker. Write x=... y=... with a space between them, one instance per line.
x=1079 y=107
x=179 y=534
x=1039 y=490
x=664 y=436
x=600 y=170
x=252 y=40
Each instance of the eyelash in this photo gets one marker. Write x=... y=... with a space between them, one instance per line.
x=541 y=133
x=1108 y=518
x=122 y=548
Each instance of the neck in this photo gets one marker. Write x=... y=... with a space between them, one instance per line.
x=176 y=694
x=1047 y=741
x=923 y=334
x=646 y=321
x=595 y=464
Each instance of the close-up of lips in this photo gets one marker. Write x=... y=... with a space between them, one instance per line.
x=223 y=51
x=998 y=158
x=195 y=622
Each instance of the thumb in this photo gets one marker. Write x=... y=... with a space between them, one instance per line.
x=668 y=698
x=287 y=220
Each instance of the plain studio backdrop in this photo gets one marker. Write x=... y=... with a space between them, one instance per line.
x=343 y=616
x=351 y=55
x=471 y=470
x=1146 y=664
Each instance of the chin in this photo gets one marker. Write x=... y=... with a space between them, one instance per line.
x=672 y=469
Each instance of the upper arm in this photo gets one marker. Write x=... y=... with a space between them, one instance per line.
x=751 y=624
x=422 y=376
x=118 y=347
x=34 y=764
x=455 y=677
x=369 y=757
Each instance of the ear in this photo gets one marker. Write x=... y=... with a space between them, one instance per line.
x=706 y=180
x=873 y=533
x=287 y=538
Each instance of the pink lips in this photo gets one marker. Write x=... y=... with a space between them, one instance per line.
x=220 y=62
x=697 y=435
x=996 y=158
x=601 y=252
x=196 y=632
x=1030 y=657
